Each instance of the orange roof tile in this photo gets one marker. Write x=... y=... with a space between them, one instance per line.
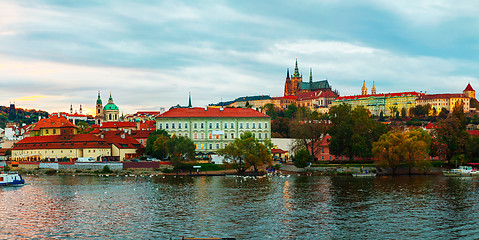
x=58 y=142
x=53 y=122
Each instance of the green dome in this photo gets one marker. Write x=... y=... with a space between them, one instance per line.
x=137 y=120
x=110 y=106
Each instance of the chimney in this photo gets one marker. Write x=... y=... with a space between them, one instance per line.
x=122 y=136
x=102 y=136
x=221 y=109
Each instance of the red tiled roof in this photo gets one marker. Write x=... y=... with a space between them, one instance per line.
x=58 y=142
x=469 y=88
x=53 y=122
x=441 y=96
x=147 y=125
x=289 y=97
x=141 y=133
x=473 y=132
x=399 y=94
x=316 y=94
x=121 y=139
x=117 y=125
x=211 y=112
x=278 y=151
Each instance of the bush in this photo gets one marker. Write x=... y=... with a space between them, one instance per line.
x=302 y=158
x=106 y=169
x=166 y=170
x=50 y=172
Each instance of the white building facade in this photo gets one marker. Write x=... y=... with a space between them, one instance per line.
x=214 y=128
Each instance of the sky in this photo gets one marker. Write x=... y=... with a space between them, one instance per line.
x=151 y=54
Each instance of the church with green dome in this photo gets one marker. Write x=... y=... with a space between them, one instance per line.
x=108 y=113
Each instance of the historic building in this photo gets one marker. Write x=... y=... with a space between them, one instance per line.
x=295 y=84
x=65 y=145
x=318 y=101
x=109 y=113
x=55 y=125
x=447 y=100
x=213 y=128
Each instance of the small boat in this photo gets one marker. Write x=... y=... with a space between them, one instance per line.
x=11 y=179
x=462 y=171
x=370 y=174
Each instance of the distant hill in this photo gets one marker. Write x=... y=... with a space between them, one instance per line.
x=20 y=115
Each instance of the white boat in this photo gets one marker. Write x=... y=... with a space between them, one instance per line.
x=370 y=174
x=11 y=179
x=462 y=171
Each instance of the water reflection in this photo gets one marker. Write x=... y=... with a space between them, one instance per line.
x=296 y=207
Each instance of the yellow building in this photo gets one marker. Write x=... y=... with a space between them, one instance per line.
x=440 y=101
x=388 y=103
x=54 y=125
x=60 y=146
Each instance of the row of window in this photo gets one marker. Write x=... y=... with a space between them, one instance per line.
x=61 y=151
x=210 y=125
x=217 y=136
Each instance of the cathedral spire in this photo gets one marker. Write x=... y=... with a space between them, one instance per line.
x=373 y=90
x=189 y=100
x=71 y=109
x=310 y=76
x=296 y=69
x=287 y=74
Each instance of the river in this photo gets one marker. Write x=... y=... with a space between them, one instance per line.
x=277 y=207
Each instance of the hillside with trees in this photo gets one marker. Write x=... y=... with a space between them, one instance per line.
x=20 y=115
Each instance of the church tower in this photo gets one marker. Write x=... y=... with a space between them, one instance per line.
x=287 y=84
x=373 y=90
x=296 y=80
x=469 y=91
x=364 y=89
x=99 y=110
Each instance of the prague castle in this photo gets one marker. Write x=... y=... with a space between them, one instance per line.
x=295 y=84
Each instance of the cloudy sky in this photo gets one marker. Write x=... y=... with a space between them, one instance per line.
x=150 y=54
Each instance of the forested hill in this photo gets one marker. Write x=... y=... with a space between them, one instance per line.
x=20 y=115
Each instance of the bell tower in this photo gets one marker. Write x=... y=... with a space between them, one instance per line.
x=99 y=110
x=364 y=89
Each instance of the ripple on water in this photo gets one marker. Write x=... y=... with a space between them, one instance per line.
x=276 y=208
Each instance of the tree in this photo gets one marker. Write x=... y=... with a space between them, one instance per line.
x=156 y=144
x=443 y=113
x=397 y=147
x=387 y=150
x=246 y=152
x=280 y=127
x=301 y=158
x=416 y=147
x=453 y=133
x=270 y=110
x=180 y=149
x=458 y=112
x=403 y=112
x=308 y=133
x=353 y=131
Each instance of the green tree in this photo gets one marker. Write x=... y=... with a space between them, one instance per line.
x=453 y=133
x=443 y=113
x=270 y=110
x=301 y=158
x=403 y=112
x=416 y=147
x=156 y=144
x=291 y=111
x=180 y=149
x=387 y=150
x=246 y=152
x=280 y=127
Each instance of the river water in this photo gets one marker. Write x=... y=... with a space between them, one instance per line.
x=294 y=207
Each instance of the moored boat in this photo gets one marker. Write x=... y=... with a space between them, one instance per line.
x=462 y=171
x=11 y=179
x=370 y=174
